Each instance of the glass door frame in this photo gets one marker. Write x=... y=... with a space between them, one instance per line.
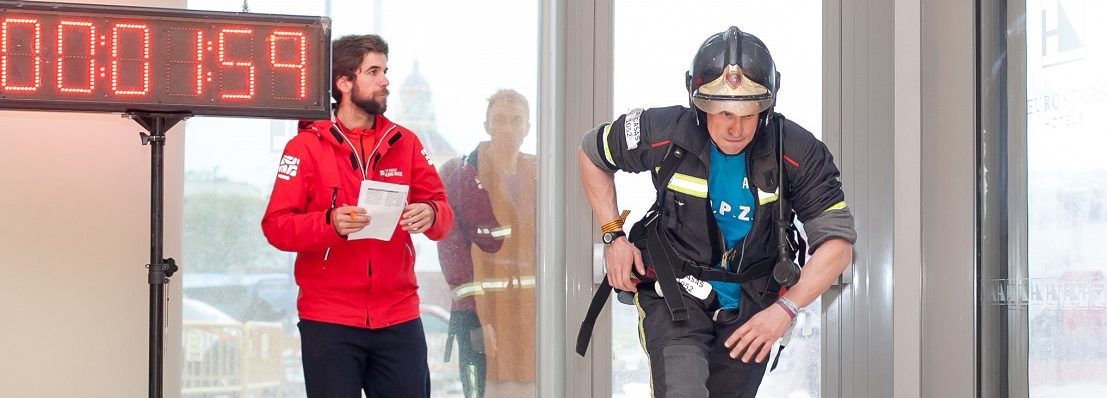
x=574 y=95
x=1002 y=201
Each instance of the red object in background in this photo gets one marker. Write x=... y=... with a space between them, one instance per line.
x=1083 y=312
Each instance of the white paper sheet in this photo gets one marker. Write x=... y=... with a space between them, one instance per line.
x=384 y=202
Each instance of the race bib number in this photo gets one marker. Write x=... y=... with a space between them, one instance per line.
x=697 y=288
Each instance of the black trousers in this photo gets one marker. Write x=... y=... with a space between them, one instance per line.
x=687 y=358
x=342 y=361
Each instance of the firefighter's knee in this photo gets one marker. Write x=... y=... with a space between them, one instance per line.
x=685 y=372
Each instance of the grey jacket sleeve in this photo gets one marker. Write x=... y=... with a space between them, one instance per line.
x=589 y=144
x=836 y=223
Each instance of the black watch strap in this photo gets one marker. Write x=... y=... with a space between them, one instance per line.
x=609 y=237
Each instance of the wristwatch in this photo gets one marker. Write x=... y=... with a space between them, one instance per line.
x=609 y=237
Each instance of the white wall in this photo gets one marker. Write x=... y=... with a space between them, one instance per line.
x=74 y=241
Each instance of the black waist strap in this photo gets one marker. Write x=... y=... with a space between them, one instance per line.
x=666 y=276
x=664 y=265
x=584 y=335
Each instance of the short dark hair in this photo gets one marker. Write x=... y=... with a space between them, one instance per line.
x=348 y=52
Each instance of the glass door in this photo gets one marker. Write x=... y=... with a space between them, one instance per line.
x=1044 y=322
x=1066 y=92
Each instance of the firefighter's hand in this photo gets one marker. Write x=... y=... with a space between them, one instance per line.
x=757 y=336
x=619 y=256
x=491 y=346
x=417 y=218
x=349 y=219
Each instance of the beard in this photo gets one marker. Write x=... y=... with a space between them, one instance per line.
x=368 y=104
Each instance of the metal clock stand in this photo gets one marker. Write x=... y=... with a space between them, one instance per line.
x=159 y=269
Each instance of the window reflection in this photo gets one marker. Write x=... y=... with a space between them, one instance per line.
x=489 y=257
x=1066 y=92
x=238 y=334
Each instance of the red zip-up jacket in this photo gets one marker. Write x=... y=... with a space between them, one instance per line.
x=364 y=283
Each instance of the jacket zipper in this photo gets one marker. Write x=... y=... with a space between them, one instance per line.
x=364 y=168
x=334 y=199
x=756 y=201
x=722 y=239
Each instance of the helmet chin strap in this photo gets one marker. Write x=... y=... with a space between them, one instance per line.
x=763 y=118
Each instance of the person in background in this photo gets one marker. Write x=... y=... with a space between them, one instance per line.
x=358 y=302
x=489 y=258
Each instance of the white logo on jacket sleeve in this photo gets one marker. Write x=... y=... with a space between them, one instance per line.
x=392 y=172
x=424 y=152
x=632 y=127
x=288 y=168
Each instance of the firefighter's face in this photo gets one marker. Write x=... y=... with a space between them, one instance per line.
x=507 y=123
x=730 y=132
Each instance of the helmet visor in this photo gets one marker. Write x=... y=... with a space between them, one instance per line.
x=732 y=91
x=737 y=107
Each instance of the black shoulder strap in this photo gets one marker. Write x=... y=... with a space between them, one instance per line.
x=667 y=169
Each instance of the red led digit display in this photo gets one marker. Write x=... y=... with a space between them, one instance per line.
x=141 y=46
x=86 y=75
x=298 y=51
x=246 y=73
x=74 y=57
x=21 y=68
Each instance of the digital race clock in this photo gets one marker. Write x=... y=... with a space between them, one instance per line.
x=72 y=57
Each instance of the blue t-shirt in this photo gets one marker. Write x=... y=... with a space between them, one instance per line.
x=732 y=203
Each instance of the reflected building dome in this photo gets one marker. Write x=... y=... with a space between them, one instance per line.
x=415 y=111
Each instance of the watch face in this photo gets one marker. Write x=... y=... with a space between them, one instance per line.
x=608 y=237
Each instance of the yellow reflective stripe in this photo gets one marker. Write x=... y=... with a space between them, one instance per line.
x=689 y=185
x=765 y=197
x=480 y=288
x=495 y=284
x=501 y=232
x=606 y=147
x=837 y=206
x=468 y=289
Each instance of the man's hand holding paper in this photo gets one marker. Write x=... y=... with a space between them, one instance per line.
x=384 y=202
x=417 y=218
x=349 y=219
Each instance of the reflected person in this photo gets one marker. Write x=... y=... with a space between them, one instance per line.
x=489 y=258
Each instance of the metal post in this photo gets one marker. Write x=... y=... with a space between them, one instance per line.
x=159 y=269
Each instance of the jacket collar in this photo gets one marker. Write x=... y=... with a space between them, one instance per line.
x=331 y=132
x=698 y=141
